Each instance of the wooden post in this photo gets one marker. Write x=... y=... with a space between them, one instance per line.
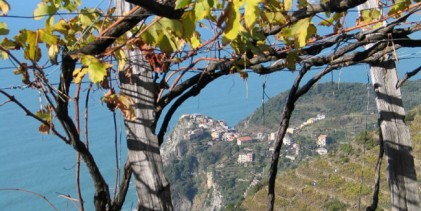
x=397 y=143
x=152 y=187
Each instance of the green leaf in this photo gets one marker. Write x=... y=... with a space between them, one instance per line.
x=311 y=31
x=47 y=37
x=45 y=114
x=170 y=25
x=9 y=45
x=399 y=7
x=166 y=34
x=4 y=7
x=292 y=58
x=201 y=9
x=97 y=69
x=151 y=35
x=29 y=41
x=23 y=70
x=274 y=5
x=369 y=15
x=165 y=44
x=88 y=17
x=70 y=6
x=274 y=17
x=251 y=12
x=3 y=28
x=180 y=4
x=327 y=22
x=188 y=21
x=44 y=9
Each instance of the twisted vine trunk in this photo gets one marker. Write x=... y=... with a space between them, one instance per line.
x=143 y=149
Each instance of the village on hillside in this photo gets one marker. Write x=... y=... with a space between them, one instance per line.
x=199 y=125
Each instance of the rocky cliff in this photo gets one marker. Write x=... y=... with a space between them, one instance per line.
x=182 y=159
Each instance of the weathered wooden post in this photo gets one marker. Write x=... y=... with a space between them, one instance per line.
x=152 y=187
x=397 y=143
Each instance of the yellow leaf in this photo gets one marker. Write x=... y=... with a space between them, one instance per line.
x=52 y=53
x=29 y=39
x=4 y=7
x=299 y=30
x=232 y=24
x=120 y=101
x=251 y=12
x=78 y=74
x=195 y=40
x=120 y=55
x=48 y=37
x=125 y=104
x=61 y=26
x=4 y=55
x=97 y=69
x=288 y=4
x=44 y=9
x=274 y=17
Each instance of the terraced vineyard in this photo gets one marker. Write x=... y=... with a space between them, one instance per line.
x=317 y=183
x=330 y=183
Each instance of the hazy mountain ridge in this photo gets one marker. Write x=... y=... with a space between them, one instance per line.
x=328 y=98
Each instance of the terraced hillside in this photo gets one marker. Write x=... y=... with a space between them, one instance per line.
x=331 y=182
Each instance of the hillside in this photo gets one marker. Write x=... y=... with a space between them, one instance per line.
x=341 y=180
x=327 y=98
x=213 y=167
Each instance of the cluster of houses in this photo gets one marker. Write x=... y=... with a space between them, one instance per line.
x=246 y=158
x=199 y=125
x=322 y=141
x=218 y=129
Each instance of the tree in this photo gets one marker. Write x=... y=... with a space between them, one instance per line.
x=150 y=47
